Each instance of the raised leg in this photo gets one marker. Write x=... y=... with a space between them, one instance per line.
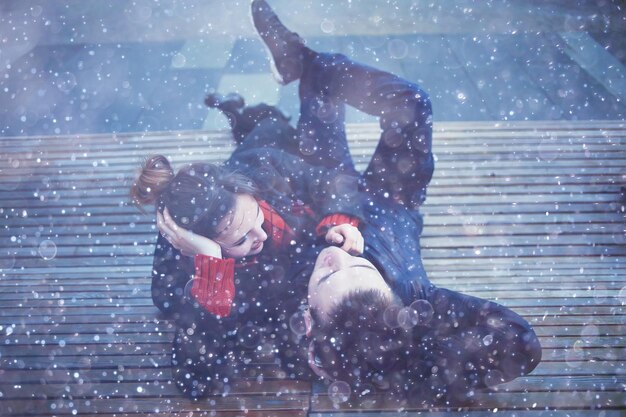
x=321 y=127
x=402 y=164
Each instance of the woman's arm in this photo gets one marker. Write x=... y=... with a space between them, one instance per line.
x=171 y=271
x=192 y=267
x=187 y=242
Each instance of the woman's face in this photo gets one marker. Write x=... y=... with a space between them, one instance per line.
x=240 y=231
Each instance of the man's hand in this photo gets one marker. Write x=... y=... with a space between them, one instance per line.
x=348 y=236
x=189 y=243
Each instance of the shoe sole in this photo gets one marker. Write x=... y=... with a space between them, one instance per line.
x=275 y=73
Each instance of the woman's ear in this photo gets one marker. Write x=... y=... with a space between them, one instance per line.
x=308 y=322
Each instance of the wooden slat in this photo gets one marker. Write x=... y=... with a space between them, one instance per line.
x=143 y=314
x=58 y=374
x=570 y=276
x=495 y=401
x=16 y=288
x=481 y=413
x=284 y=405
x=554 y=265
x=611 y=323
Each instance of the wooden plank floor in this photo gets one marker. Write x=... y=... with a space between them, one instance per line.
x=528 y=214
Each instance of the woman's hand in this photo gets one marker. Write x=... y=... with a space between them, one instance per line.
x=348 y=236
x=187 y=242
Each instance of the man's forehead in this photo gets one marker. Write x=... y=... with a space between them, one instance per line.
x=354 y=276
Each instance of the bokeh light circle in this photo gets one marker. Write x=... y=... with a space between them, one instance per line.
x=407 y=318
x=47 y=250
x=297 y=324
x=398 y=49
x=390 y=316
x=187 y=290
x=339 y=392
x=66 y=82
x=424 y=311
x=249 y=336
x=307 y=146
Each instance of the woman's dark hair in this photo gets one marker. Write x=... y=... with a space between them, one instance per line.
x=198 y=197
x=355 y=344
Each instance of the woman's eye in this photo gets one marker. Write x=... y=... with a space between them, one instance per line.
x=241 y=242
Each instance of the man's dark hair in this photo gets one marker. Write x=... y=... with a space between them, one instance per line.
x=358 y=344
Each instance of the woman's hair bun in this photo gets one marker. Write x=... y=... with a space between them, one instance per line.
x=155 y=176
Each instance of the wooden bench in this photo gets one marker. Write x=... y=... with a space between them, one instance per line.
x=528 y=214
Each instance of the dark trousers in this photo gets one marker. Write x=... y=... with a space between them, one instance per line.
x=402 y=164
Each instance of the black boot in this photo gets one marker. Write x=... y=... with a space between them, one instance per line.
x=232 y=102
x=286 y=48
x=231 y=105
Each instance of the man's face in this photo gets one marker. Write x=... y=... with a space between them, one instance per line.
x=336 y=274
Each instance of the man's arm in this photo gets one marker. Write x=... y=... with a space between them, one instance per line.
x=466 y=342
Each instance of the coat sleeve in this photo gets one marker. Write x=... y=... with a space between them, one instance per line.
x=171 y=271
x=464 y=343
x=204 y=362
x=173 y=280
x=335 y=220
x=213 y=287
x=206 y=350
x=207 y=363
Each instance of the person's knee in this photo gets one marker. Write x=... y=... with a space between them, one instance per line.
x=409 y=116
